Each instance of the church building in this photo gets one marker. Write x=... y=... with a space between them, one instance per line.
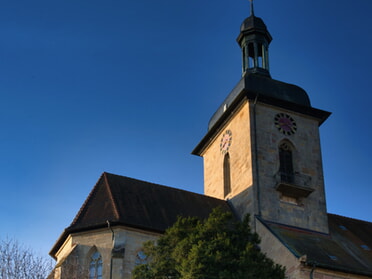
x=261 y=156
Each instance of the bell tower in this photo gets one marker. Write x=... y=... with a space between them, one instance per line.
x=262 y=148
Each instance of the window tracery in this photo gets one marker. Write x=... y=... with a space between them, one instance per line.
x=95 y=266
x=141 y=258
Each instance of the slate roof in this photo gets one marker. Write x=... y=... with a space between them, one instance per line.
x=254 y=25
x=138 y=204
x=260 y=88
x=270 y=91
x=347 y=248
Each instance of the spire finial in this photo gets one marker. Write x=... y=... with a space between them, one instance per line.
x=252 y=11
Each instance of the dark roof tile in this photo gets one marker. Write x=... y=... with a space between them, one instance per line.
x=339 y=250
x=139 y=204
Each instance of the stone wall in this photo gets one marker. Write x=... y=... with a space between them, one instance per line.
x=254 y=152
x=305 y=212
x=74 y=256
x=240 y=157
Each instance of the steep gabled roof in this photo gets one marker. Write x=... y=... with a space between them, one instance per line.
x=347 y=247
x=134 y=203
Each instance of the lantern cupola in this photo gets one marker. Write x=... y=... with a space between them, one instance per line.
x=254 y=40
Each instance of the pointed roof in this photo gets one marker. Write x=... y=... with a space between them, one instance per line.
x=134 y=203
x=347 y=247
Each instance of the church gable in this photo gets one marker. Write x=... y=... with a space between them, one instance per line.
x=99 y=207
x=137 y=204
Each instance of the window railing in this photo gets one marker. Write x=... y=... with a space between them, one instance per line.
x=293 y=184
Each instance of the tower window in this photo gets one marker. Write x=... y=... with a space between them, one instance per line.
x=245 y=60
x=260 y=56
x=255 y=56
x=293 y=185
x=226 y=175
x=95 y=266
x=251 y=56
x=286 y=163
x=265 y=57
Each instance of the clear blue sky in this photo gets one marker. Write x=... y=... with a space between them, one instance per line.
x=128 y=87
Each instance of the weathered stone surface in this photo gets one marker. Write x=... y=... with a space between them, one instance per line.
x=82 y=245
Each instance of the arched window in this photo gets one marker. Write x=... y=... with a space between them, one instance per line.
x=95 y=266
x=286 y=163
x=226 y=175
x=141 y=258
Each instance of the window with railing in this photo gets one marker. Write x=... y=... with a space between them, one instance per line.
x=286 y=162
x=289 y=182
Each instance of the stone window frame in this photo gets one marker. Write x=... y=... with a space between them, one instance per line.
x=141 y=258
x=226 y=175
x=287 y=160
x=97 y=262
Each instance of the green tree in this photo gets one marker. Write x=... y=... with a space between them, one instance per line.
x=217 y=247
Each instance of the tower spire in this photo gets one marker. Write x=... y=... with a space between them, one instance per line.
x=252 y=10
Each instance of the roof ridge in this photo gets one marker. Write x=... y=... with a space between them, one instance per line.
x=161 y=185
x=84 y=207
x=108 y=186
